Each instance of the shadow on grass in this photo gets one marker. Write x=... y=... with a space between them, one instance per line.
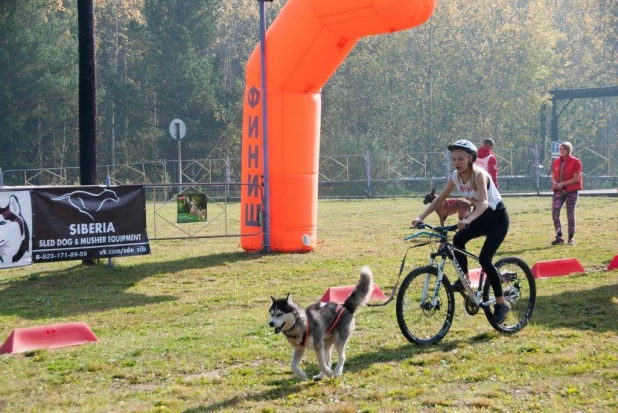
x=81 y=289
x=515 y=253
x=407 y=352
x=595 y=309
x=287 y=386
x=283 y=390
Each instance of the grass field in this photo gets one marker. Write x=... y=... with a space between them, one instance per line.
x=185 y=329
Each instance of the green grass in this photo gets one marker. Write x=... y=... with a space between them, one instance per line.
x=185 y=329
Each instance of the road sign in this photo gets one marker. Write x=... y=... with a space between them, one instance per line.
x=555 y=149
x=178 y=129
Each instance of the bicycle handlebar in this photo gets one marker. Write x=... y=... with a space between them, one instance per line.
x=437 y=232
x=448 y=228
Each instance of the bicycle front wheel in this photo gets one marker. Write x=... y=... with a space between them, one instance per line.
x=518 y=289
x=420 y=321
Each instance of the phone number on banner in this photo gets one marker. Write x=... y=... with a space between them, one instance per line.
x=52 y=256
x=91 y=253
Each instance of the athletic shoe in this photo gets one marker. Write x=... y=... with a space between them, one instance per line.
x=571 y=241
x=500 y=312
x=558 y=241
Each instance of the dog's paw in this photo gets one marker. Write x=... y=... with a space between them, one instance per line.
x=318 y=377
x=328 y=372
x=302 y=375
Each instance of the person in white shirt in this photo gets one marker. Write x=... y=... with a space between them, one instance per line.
x=489 y=218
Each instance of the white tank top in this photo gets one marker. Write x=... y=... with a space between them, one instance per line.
x=466 y=189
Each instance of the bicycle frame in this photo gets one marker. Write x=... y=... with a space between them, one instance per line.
x=447 y=250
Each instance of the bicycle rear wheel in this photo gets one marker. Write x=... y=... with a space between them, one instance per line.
x=421 y=322
x=518 y=289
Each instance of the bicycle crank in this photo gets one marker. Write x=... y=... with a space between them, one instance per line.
x=471 y=307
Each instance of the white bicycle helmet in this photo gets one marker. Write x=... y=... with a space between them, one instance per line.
x=464 y=145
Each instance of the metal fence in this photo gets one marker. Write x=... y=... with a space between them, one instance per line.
x=222 y=211
x=340 y=176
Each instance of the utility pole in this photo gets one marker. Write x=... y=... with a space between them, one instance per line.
x=87 y=94
x=87 y=98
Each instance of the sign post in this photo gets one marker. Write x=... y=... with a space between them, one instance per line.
x=265 y=127
x=178 y=130
x=555 y=149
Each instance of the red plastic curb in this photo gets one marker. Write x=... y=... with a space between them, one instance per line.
x=474 y=275
x=555 y=268
x=339 y=294
x=52 y=336
x=614 y=264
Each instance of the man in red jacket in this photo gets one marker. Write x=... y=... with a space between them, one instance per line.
x=487 y=160
x=566 y=179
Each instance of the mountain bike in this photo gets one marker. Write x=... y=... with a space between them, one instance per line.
x=426 y=302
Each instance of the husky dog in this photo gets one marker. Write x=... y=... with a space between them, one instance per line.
x=320 y=326
x=461 y=206
x=14 y=233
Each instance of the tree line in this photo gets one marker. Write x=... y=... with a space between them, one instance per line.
x=475 y=70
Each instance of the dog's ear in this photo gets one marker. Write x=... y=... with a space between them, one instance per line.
x=289 y=298
x=433 y=191
x=272 y=298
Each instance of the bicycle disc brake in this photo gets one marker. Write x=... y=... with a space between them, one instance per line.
x=512 y=293
x=471 y=307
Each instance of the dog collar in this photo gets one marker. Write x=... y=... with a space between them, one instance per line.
x=303 y=341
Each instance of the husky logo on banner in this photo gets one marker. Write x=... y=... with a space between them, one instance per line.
x=87 y=202
x=15 y=224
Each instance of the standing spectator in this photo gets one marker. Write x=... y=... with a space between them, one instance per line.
x=487 y=160
x=566 y=179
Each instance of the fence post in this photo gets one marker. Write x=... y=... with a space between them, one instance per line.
x=164 y=180
x=228 y=175
x=1 y=179
x=448 y=164
x=537 y=168
x=609 y=163
x=108 y=182
x=368 y=173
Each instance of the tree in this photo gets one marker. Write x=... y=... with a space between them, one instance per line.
x=38 y=84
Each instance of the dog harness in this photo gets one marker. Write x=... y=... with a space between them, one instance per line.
x=340 y=309
x=338 y=312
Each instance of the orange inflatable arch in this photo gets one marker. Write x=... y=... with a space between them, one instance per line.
x=304 y=46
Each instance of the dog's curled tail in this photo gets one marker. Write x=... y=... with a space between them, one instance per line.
x=361 y=292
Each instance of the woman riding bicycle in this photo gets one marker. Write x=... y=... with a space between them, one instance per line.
x=489 y=218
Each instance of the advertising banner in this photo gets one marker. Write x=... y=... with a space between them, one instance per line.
x=88 y=222
x=192 y=207
x=15 y=228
